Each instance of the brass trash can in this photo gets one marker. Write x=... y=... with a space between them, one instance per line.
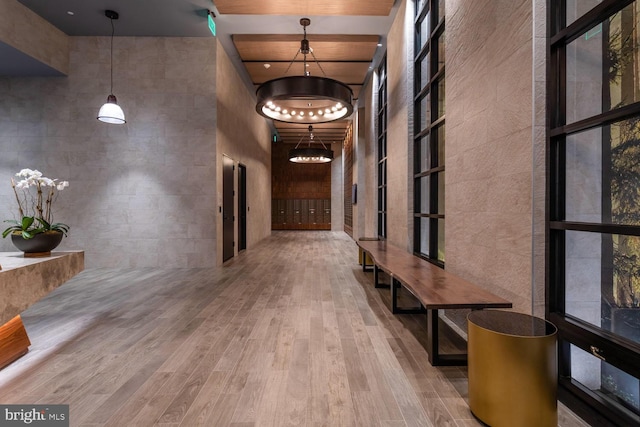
x=513 y=369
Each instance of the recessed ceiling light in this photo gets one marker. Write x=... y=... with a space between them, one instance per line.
x=379 y=44
x=70 y=13
x=267 y=66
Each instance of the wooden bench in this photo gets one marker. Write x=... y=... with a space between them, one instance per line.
x=434 y=288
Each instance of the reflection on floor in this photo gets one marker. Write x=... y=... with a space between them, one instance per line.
x=291 y=332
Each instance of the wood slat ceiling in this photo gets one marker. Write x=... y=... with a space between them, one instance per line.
x=329 y=133
x=305 y=7
x=326 y=47
x=349 y=73
x=343 y=57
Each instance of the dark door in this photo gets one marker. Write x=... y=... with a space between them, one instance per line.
x=242 y=207
x=228 y=218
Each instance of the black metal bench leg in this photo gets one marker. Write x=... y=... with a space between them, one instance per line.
x=394 y=295
x=365 y=266
x=395 y=286
x=433 y=345
x=376 y=278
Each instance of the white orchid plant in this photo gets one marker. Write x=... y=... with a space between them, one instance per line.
x=35 y=195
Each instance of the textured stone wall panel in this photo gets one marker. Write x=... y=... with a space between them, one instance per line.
x=142 y=194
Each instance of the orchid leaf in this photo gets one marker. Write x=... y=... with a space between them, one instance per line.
x=27 y=221
x=44 y=224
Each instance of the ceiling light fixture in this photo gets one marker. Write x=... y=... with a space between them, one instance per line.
x=304 y=94
x=111 y=112
x=310 y=154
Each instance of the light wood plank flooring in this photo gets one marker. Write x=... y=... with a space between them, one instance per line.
x=289 y=333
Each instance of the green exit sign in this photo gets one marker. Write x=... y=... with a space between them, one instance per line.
x=212 y=24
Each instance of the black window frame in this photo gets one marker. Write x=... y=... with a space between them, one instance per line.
x=382 y=148
x=435 y=123
x=574 y=331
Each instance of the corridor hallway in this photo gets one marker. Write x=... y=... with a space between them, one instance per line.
x=290 y=332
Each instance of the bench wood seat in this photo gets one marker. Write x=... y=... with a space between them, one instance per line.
x=433 y=287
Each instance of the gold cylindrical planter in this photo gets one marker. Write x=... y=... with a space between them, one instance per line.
x=513 y=369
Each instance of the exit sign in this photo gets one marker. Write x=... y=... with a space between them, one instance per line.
x=212 y=24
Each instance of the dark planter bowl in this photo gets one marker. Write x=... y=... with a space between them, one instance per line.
x=40 y=243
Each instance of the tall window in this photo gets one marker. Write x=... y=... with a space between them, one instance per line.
x=593 y=263
x=429 y=97
x=382 y=149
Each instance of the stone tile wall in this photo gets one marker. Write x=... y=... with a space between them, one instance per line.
x=489 y=64
x=539 y=152
x=337 y=185
x=142 y=194
x=368 y=192
x=244 y=136
x=399 y=165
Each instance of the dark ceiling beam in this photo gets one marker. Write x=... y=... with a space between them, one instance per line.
x=297 y=61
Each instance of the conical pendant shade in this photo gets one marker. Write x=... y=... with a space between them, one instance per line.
x=111 y=112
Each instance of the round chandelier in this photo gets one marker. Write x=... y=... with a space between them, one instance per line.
x=304 y=99
x=310 y=154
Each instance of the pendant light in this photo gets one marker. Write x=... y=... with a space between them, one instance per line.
x=306 y=98
x=310 y=154
x=111 y=112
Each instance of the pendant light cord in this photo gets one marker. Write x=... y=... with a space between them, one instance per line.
x=318 y=63
x=305 y=71
x=112 y=33
x=310 y=139
x=291 y=63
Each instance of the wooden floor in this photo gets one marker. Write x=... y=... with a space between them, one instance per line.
x=291 y=332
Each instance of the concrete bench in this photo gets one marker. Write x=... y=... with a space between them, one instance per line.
x=435 y=289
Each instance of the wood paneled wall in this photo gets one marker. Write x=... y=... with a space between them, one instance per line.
x=348 y=181
x=300 y=185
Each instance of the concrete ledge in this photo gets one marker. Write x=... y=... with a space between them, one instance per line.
x=29 y=33
x=23 y=281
